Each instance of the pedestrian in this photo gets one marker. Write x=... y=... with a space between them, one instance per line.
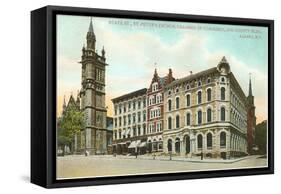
x=201 y=155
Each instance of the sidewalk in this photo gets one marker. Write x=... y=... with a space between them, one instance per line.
x=174 y=158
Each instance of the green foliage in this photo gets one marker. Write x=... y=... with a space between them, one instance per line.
x=261 y=137
x=70 y=124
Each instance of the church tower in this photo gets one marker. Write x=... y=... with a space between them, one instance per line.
x=251 y=118
x=92 y=95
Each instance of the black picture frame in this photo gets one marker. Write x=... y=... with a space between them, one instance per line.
x=43 y=96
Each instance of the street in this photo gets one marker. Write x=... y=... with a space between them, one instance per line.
x=94 y=166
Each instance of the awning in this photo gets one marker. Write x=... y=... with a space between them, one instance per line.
x=142 y=144
x=122 y=143
x=134 y=144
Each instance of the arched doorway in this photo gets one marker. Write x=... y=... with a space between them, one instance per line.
x=170 y=145
x=177 y=145
x=187 y=144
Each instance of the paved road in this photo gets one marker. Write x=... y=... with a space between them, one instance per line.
x=93 y=166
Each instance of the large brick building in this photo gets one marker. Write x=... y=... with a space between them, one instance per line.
x=203 y=113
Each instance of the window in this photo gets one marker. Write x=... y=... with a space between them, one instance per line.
x=139 y=117
x=199 y=97
x=139 y=104
x=177 y=90
x=222 y=93
x=169 y=105
x=187 y=87
x=134 y=118
x=209 y=140
x=170 y=123
x=144 y=115
x=124 y=108
x=188 y=100
x=144 y=129
x=119 y=134
x=120 y=109
x=139 y=130
x=222 y=139
x=154 y=87
x=222 y=79
x=199 y=141
x=177 y=102
x=120 y=121
x=222 y=114
x=169 y=145
x=199 y=83
x=129 y=119
x=177 y=121
x=187 y=118
x=144 y=102
x=134 y=131
x=169 y=92
x=199 y=115
x=209 y=94
x=115 y=110
x=208 y=80
x=209 y=115
x=134 y=105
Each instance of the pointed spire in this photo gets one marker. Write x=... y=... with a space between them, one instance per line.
x=103 y=52
x=250 y=86
x=91 y=29
x=223 y=60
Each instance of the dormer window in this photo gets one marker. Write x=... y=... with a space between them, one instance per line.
x=154 y=87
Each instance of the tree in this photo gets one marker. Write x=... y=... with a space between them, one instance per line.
x=261 y=137
x=71 y=123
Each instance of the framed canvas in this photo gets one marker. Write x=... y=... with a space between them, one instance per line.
x=126 y=96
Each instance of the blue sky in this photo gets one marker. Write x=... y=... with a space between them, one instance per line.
x=134 y=46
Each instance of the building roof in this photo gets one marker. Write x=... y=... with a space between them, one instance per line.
x=130 y=95
x=192 y=76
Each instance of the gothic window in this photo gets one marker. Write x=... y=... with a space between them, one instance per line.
x=188 y=100
x=169 y=105
x=209 y=140
x=199 y=117
x=170 y=123
x=177 y=102
x=209 y=94
x=222 y=93
x=177 y=121
x=199 y=97
x=199 y=141
x=209 y=115
x=222 y=114
x=187 y=118
x=222 y=139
